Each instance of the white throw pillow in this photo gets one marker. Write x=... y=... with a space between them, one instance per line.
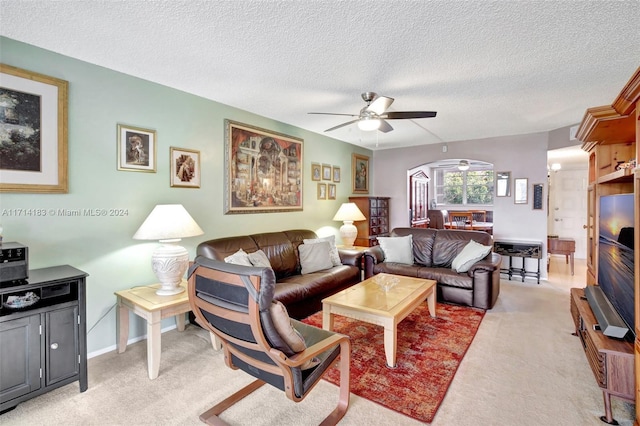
x=314 y=257
x=333 y=252
x=259 y=259
x=397 y=249
x=239 y=258
x=469 y=255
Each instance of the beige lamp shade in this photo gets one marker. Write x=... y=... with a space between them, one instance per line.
x=168 y=223
x=348 y=213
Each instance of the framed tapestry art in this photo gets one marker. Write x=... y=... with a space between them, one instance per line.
x=33 y=132
x=185 y=168
x=264 y=170
x=136 y=149
x=360 y=173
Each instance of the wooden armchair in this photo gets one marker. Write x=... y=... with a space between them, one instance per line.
x=235 y=303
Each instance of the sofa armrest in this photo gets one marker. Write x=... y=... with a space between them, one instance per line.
x=372 y=255
x=351 y=257
x=489 y=263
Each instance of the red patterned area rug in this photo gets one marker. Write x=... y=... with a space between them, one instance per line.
x=428 y=355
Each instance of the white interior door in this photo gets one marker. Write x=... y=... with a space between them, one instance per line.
x=568 y=207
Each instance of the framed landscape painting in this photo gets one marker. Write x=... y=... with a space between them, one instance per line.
x=33 y=132
x=264 y=170
x=360 y=173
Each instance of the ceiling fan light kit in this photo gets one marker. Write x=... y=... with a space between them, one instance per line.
x=463 y=165
x=374 y=115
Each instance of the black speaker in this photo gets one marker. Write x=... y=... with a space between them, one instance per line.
x=608 y=318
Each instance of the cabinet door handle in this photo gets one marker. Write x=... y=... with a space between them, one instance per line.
x=54 y=346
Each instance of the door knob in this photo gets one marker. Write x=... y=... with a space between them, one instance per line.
x=54 y=346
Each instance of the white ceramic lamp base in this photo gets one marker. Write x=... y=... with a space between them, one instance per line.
x=348 y=233
x=169 y=262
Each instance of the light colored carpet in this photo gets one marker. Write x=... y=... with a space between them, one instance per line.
x=523 y=368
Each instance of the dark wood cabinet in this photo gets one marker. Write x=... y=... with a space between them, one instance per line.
x=376 y=211
x=43 y=346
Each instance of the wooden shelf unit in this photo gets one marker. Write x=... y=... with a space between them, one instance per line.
x=611 y=360
x=611 y=136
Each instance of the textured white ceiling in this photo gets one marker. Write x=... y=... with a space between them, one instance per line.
x=490 y=68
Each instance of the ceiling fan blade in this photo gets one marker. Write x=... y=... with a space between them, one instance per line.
x=385 y=127
x=341 y=125
x=399 y=115
x=379 y=105
x=333 y=113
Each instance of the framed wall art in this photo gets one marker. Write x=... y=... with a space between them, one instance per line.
x=264 y=170
x=136 y=149
x=360 y=173
x=538 y=199
x=336 y=174
x=33 y=132
x=520 y=191
x=185 y=168
x=316 y=174
x=322 y=191
x=326 y=172
x=331 y=195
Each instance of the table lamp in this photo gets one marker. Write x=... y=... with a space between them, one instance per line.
x=348 y=212
x=169 y=223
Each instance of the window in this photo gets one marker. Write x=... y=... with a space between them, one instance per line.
x=470 y=187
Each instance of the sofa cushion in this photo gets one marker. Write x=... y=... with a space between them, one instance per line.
x=397 y=249
x=315 y=257
x=239 y=258
x=422 y=239
x=470 y=254
x=259 y=259
x=280 y=251
x=448 y=243
x=333 y=250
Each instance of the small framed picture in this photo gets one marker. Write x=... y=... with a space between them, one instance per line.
x=322 y=191
x=315 y=171
x=326 y=172
x=336 y=174
x=185 y=168
x=332 y=191
x=136 y=149
x=360 y=173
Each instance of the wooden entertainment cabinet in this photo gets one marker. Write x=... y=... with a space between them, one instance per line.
x=611 y=136
x=611 y=360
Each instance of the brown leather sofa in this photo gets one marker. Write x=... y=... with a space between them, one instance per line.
x=433 y=253
x=301 y=294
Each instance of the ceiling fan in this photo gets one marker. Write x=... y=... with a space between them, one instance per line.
x=374 y=115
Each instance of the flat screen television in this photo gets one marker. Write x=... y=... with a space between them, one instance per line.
x=615 y=254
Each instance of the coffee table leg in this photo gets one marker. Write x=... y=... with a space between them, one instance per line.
x=327 y=318
x=390 y=345
x=431 y=304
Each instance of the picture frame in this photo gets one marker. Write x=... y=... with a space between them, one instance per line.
x=136 y=149
x=336 y=173
x=185 y=168
x=360 y=173
x=263 y=170
x=326 y=172
x=538 y=196
x=35 y=121
x=331 y=191
x=503 y=184
x=316 y=173
x=520 y=195
x=322 y=191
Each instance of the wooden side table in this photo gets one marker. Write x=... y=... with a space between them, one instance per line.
x=144 y=302
x=564 y=246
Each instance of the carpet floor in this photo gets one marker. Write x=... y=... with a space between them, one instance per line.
x=429 y=352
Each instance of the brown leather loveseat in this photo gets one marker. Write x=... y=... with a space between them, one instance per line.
x=433 y=253
x=301 y=294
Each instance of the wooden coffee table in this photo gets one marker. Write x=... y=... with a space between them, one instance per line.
x=368 y=302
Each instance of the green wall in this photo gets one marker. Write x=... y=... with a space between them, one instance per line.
x=99 y=99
